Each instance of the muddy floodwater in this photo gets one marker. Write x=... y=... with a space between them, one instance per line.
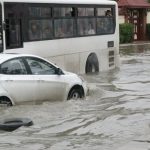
x=116 y=112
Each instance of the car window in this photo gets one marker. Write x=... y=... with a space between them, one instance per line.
x=41 y=67
x=13 y=67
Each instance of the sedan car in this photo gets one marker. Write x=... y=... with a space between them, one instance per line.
x=31 y=78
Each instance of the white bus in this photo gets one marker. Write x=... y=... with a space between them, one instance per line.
x=81 y=36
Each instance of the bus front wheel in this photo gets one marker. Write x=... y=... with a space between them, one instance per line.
x=92 y=64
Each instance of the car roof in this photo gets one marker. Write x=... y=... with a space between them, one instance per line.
x=7 y=56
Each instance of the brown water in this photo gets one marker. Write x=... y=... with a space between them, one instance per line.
x=116 y=112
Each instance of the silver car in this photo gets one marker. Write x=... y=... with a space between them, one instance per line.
x=31 y=78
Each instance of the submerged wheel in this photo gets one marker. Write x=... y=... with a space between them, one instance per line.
x=5 y=101
x=92 y=64
x=75 y=94
x=14 y=123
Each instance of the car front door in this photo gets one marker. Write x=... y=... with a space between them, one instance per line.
x=51 y=85
x=15 y=80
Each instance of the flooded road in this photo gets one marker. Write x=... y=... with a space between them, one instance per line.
x=116 y=112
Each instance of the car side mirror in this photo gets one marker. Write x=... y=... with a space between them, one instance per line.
x=59 y=71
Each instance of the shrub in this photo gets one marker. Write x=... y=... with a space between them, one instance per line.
x=126 y=32
x=148 y=30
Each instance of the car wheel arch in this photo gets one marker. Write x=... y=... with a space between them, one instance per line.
x=77 y=86
x=8 y=99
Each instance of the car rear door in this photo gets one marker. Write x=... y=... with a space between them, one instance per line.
x=15 y=80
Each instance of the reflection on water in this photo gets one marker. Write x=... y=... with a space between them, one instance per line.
x=116 y=111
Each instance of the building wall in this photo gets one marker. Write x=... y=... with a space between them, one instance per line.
x=121 y=19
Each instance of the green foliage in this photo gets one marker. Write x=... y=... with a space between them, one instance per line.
x=148 y=30
x=126 y=32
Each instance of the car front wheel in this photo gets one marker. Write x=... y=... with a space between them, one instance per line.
x=75 y=94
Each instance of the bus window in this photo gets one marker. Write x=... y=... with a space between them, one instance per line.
x=13 y=33
x=64 y=28
x=86 y=26
x=85 y=11
x=104 y=11
x=39 y=23
x=35 y=30
x=14 y=16
x=64 y=12
x=105 y=20
x=40 y=29
x=39 y=12
x=105 y=26
x=1 y=33
x=47 y=31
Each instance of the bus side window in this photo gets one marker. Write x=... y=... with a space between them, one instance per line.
x=108 y=13
x=34 y=30
x=64 y=12
x=101 y=26
x=47 y=32
x=64 y=28
x=13 y=33
x=86 y=26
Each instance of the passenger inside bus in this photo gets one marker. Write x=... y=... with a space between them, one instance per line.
x=108 y=13
x=101 y=26
x=90 y=29
x=34 y=31
x=59 y=32
x=46 y=33
x=73 y=12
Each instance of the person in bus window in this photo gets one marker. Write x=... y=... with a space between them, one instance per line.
x=101 y=26
x=60 y=32
x=34 y=32
x=108 y=13
x=91 y=30
x=73 y=12
x=47 y=33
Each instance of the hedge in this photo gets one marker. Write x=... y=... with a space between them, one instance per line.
x=126 y=32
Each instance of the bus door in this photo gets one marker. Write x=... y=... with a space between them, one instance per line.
x=13 y=33
x=13 y=26
x=1 y=30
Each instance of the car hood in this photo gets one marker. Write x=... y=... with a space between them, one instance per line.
x=68 y=73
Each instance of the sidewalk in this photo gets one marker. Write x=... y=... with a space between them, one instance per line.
x=136 y=46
